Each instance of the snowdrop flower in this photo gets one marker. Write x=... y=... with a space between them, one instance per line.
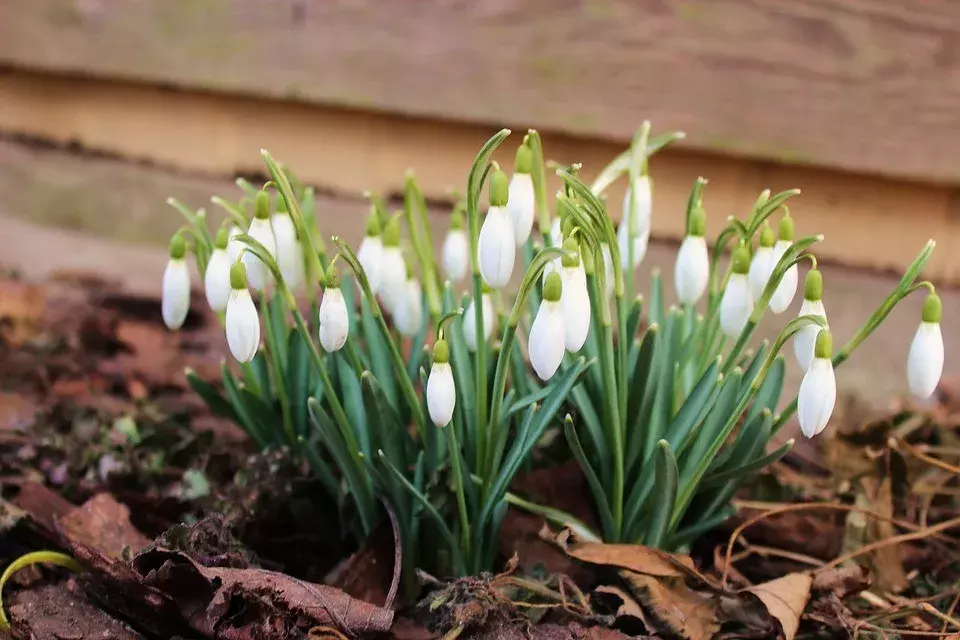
x=787 y=288
x=289 y=251
x=242 y=321
x=261 y=231
x=761 y=267
x=370 y=253
x=456 y=249
x=497 y=248
x=409 y=315
x=441 y=391
x=608 y=272
x=234 y=247
x=521 y=201
x=818 y=390
x=925 y=361
x=470 y=320
x=737 y=302
x=575 y=300
x=641 y=213
x=805 y=339
x=692 y=270
x=556 y=232
x=334 y=318
x=175 y=299
x=640 y=244
x=547 y=336
x=216 y=281
x=393 y=268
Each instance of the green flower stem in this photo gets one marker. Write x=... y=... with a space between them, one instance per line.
x=233 y=212
x=273 y=362
x=422 y=244
x=539 y=176
x=621 y=164
x=454 y=450
x=29 y=559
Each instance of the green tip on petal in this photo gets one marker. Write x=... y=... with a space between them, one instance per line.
x=524 y=162
x=698 y=222
x=238 y=275
x=813 y=285
x=499 y=189
x=373 y=224
x=331 y=278
x=485 y=288
x=441 y=352
x=932 y=309
x=222 y=239
x=391 y=232
x=767 y=239
x=785 y=231
x=741 y=260
x=552 y=287
x=824 y=348
x=282 y=205
x=178 y=246
x=261 y=205
x=456 y=218
x=570 y=245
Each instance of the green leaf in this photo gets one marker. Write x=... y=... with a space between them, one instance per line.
x=665 y=367
x=322 y=471
x=656 y=298
x=298 y=380
x=351 y=395
x=257 y=377
x=215 y=401
x=688 y=534
x=643 y=390
x=757 y=464
x=377 y=349
x=277 y=328
x=621 y=164
x=244 y=417
x=634 y=318
x=693 y=409
x=593 y=482
x=666 y=495
x=598 y=452
x=768 y=395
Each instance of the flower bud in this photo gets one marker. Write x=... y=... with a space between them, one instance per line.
x=441 y=390
x=818 y=390
x=175 y=298
x=333 y=315
x=242 y=322
x=393 y=268
x=925 y=360
x=261 y=231
x=547 y=335
x=496 y=247
x=692 y=270
x=521 y=202
x=736 y=305
x=456 y=260
x=805 y=339
x=787 y=288
x=216 y=280
x=470 y=321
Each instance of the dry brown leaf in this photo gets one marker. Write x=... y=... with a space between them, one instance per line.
x=103 y=524
x=686 y=612
x=633 y=557
x=21 y=310
x=785 y=599
x=628 y=606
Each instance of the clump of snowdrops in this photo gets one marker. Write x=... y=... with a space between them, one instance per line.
x=665 y=409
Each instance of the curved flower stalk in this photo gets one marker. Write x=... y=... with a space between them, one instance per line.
x=925 y=360
x=175 y=301
x=456 y=248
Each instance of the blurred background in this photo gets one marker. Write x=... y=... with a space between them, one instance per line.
x=108 y=107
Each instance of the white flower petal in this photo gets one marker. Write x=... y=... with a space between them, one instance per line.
x=456 y=259
x=289 y=251
x=216 y=281
x=556 y=235
x=608 y=272
x=393 y=275
x=175 y=298
x=546 y=343
x=805 y=340
x=925 y=361
x=640 y=243
x=470 y=322
x=243 y=326
x=575 y=302
x=817 y=397
x=692 y=271
x=234 y=246
x=371 y=258
x=520 y=206
x=258 y=274
x=497 y=249
x=787 y=288
x=760 y=269
x=441 y=394
x=736 y=305
x=334 y=320
x=642 y=214
x=409 y=315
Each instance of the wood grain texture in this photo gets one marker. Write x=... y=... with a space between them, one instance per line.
x=864 y=85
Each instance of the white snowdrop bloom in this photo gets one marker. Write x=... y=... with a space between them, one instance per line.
x=925 y=361
x=175 y=293
x=370 y=253
x=818 y=390
x=521 y=202
x=556 y=233
x=787 y=288
x=216 y=280
x=547 y=336
x=496 y=248
x=470 y=321
x=762 y=264
x=575 y=300
x=234 y=246
x=260 y=230
x=441 y=390
x=456 y=249
x=409 y=315
x=642 y=212
x=242 y=321
x=289 y=252
x=608 y=272
x=640 y=244
x=691 y=274
x=333 y=315
x=393 y=268
x=736 y=305
x=805 y=339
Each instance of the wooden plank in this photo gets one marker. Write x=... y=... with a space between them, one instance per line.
x=865 y=85
x=868 y=222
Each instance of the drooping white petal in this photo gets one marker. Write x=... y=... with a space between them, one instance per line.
x=925 y=360
x=243 y=325
x=547 y=339
x=608 y=272
x=497 y=249
x=760 y=269
x=456 y=258
x=817 y=397
x=787 y=288
x=334 y=320
x=575 y=302
x=470 y=322
x=556 y=234
x=175 y=298
x=806 y=339
x=216 y=281
x=289 y=251
x=520 y=206
x=640 y=243
x=692 y=270
x=371 y=258
x=736 y=305
x=393 y=275
x=258 y=274
x=234 y=246
x=409 y=315
x=441 y=393
x=643 y=211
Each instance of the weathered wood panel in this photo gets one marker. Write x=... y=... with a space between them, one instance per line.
x=866 y=85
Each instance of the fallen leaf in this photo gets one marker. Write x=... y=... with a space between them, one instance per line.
x=628 y=606
x=56 y=611
x=841 y=581
x=21 y=310
x=676 y=606
x=785 y=599
x=633 y=557
x=103 y=524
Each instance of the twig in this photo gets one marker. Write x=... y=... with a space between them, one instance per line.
x=920 y=455
x=926 y=607
x=950 y=609
x=886 y=542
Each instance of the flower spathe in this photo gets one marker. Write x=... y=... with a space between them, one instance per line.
x=736 y=305
x=456 y=249
x=241 y=320
x=441 y=390
x=333 y=316
x=175 y=298
x=818 y=390
x=409 y=314
x=547 y=335
x=521 y=202
x=787 y=288
x=288 y=250
x=925 y=360
x=470 y=321
x=805 y=339
x=692 y=270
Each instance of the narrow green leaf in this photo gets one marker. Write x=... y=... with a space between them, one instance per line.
x=687 y=535
x=322 y=471
x=656 y=298
x=634 y=318
x=693 y=409
x=757 y=464
x=377 y=349
x=244 y=418
x=643 y=391
x=351 y=396
x=666 y=495
x=593 y=482
x=768 y=395
x=277 y=327
x=211 y=396
x=298 y=380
